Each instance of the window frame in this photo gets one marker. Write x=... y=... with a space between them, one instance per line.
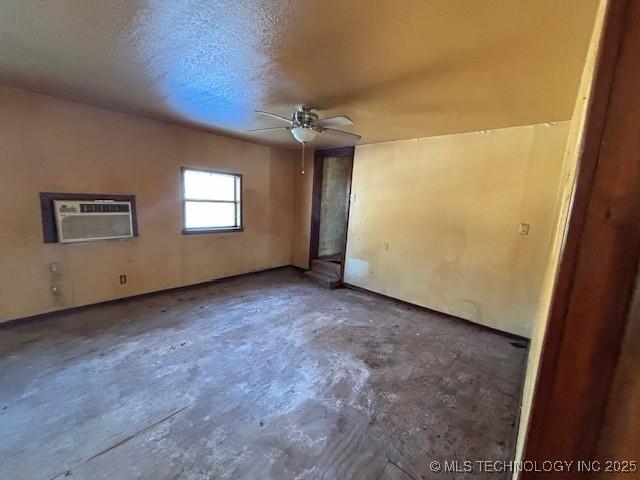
x=184 y=200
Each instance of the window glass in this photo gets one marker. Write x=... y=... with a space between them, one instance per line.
x=211 y=201
x=209 y=214
x=200 y=185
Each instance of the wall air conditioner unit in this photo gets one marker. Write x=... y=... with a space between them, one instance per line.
x=83 y=221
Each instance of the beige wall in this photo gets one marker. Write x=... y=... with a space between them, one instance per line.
x=435 y=221
x=59 y=146
x=561 y=209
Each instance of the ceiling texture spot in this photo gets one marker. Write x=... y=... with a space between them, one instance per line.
x=399 y=69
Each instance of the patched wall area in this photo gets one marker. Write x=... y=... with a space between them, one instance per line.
x=437 y=221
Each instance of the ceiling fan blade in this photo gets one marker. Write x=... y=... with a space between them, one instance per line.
x=273 y=115
x=352 y=137
x=338 y=121
x=268 y=129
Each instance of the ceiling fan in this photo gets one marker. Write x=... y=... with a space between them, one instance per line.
x=305 y=125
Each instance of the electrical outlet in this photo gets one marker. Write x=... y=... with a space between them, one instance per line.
x=123 y=279
x=523 y=229
x=386 y=245
x=56 y=290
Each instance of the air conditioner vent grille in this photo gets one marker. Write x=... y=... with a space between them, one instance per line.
x=103 y=207
x=92 y=226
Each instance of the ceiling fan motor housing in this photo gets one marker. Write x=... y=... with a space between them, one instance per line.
x=304 y=116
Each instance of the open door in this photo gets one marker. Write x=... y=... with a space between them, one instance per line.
x=330 y=214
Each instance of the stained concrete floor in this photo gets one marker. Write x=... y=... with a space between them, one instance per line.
x=260 y=377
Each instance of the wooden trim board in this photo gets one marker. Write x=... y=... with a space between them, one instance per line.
x=599 y=261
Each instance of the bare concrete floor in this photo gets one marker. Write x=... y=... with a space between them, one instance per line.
x=260 y=377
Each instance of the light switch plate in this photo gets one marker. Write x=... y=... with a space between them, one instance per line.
x=523 y=229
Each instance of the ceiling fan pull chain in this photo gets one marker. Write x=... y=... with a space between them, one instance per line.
x=302 y=160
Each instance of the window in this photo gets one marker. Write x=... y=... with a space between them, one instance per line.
x=211 y=201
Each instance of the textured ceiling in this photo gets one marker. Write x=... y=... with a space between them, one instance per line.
x=399 y=69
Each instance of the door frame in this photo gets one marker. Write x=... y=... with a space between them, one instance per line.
x=316 y=200
x=599 y=261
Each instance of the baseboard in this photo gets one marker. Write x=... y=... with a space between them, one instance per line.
x=41 y=316
x=434 y=312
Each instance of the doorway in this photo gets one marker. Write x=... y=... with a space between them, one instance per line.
x=330 y=214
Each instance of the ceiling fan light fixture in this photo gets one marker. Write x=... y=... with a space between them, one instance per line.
x=303 y=135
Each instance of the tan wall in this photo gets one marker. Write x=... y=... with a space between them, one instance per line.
x=58 y=146
x=561 y=207
x=435 y=221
